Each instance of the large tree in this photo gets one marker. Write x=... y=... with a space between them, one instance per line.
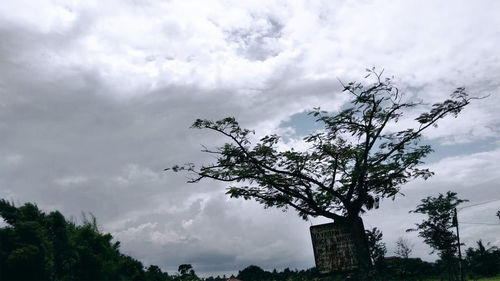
x=358 y=158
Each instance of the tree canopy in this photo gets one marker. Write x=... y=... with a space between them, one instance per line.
x=355 y=161
x=437 y=229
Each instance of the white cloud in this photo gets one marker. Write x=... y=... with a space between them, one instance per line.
x=13 y=159
x=71 y=180
x=468 y=170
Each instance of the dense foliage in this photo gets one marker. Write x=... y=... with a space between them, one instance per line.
x=376 y=247
x=483 y=260
x=39 y=246
x=438 y=229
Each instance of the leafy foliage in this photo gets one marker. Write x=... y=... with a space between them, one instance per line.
x=349 y=166
x=437 y=229
x=185 y=269
x=253 y=273
x=186 y=273
x=483 y=261
x=376 y=247
x=36 y=246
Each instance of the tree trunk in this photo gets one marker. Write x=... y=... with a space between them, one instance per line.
x=357 y=230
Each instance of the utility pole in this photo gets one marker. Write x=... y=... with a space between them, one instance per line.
x=460 y=267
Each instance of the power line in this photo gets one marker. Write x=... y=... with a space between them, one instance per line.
x=482 y=203
x=482 y=223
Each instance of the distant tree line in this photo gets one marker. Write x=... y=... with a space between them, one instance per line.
x=39 y=246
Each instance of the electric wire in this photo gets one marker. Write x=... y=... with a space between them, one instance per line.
x=481 y=203
x=480 y=223
x=478 y=204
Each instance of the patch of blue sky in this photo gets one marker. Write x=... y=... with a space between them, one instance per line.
x=305 y=124
x=302 y=123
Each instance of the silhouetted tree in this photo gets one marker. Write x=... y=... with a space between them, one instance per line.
x=25 y=244
x=187 y=273
x=36 y=246
x=154 y=273
x=437 y=229
x=253 y=273
x=349 y=166
x=482 y=261
x=376 y=246
x=403 y=247
x=185 y=269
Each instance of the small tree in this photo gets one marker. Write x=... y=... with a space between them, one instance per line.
x=376 y=247
x=185 y=269
x=403 y=248
x=186 y=273
x=437 y=229
x=349 y=166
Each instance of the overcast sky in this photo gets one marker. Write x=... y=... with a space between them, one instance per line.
x=96 y=99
